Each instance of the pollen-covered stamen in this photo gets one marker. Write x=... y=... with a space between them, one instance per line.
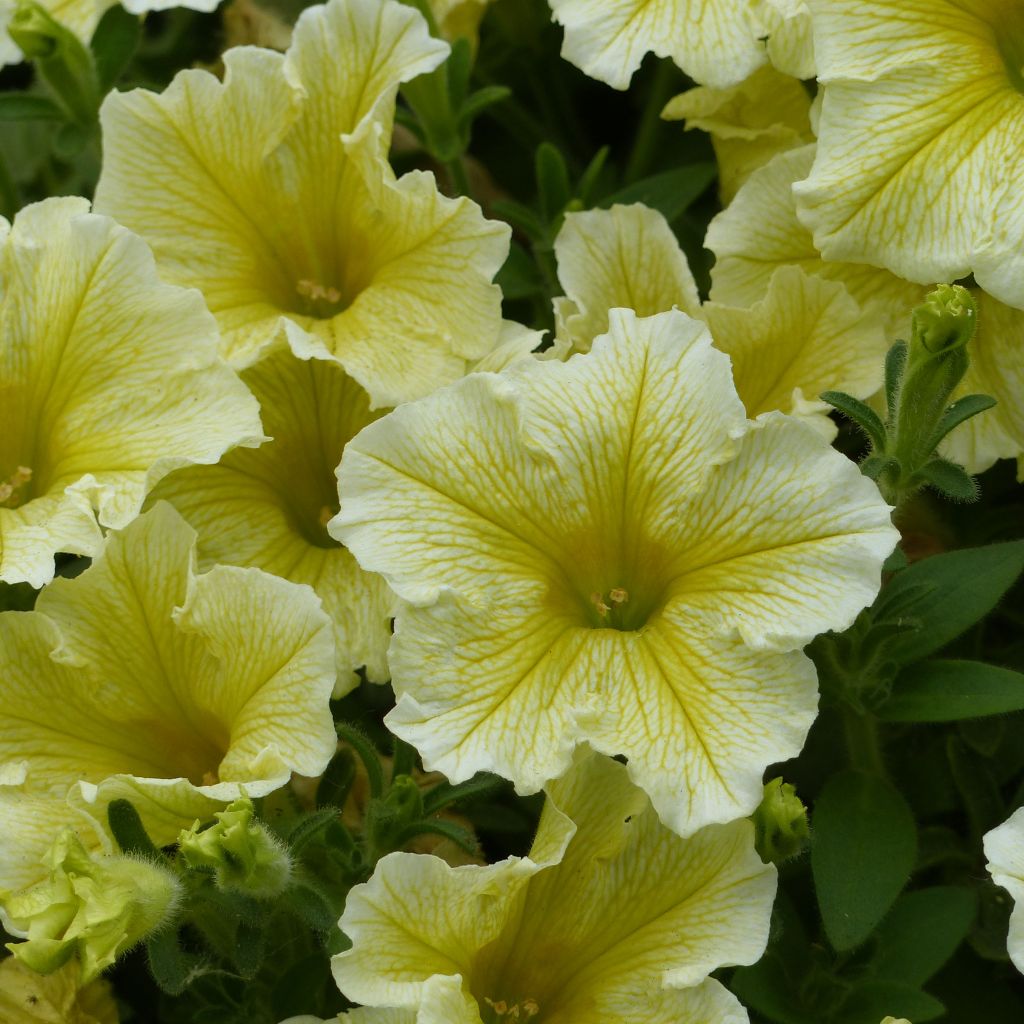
x=320 y=300
x=503 y=1012
x=610 y=607
x=12 y=490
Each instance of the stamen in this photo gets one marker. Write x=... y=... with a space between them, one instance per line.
x=618 y=596
x=10 y=487
x=515 y=1011
x=314 y=291
x=598 y=602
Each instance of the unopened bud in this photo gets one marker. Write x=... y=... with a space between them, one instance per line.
x=240 y=851
x=780 y=823
x=93 y=907
x=945 y=320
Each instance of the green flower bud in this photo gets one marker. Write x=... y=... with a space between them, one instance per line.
x=92 y=907
x=946 y=320
x=241 y=852
x=35 y=30
x=780 y=823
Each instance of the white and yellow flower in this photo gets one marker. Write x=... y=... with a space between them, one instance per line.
x=749 y=123
x=605 y=549
x=626 y=256
x=759 y=233
x=144 y=681
x=268 y=507
x=271 y=193
x=806 y=335
x=58 y=998
x=109 y=379
x=611 y=917
x=1004 y=850
x=921 y=140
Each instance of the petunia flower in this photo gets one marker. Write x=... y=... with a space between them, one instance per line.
x=716 y=44
x=759 y=232
x=89 y=908
x=805 y=336
x=142 y=680
x=749 y=123
x=457 y=18
x=626 y=256
x=58 y=998
x=272 y=194
x=268 y=507
x=920 y=140
x=1004 y=851
x=611 y=917
x=605 y=549
x=109 y=379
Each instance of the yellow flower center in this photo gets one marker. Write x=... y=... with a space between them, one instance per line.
x=319 y=300
x=501 y=1011
x=14 y=490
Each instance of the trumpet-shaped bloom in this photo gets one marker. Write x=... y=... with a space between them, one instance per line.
x=605 y=549
x=612 y=917
x=108 y=380
x=760 y=232
x=144 y=681
x=790 y=39
x=749 y=123
x=806 y=336
x=92 y=908
x=1004 y=850
x=920 y=141
x=272 y=194
x=268 y=507
x=458 y=17
x=626 y=256
x=58 y=998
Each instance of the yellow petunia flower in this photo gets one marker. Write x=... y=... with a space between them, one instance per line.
x=605 y=549
x=749 y=123
x=108 y=381
x=626 y=256
x=759 y=232
x=717 y=44
x=271 y=193
x=58 y=998
x=806 y=336
x=144 y=681
x=611 y=917
x=1004 y=851
x=920 y=140
x=790 y=41
x=268 y=507
x=457 y=18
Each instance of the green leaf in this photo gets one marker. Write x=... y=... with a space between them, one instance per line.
x=962 y=587
x=949 y=479
x=766 y=988
x=128 y=831
x=445 y=794
x=519 y=277
x=553 y=186
x=367 y=753
x=872 y=1001
x=336 y=782
x=27 y=106
x=875 y=465
x=961 y=410
x=671 y=192
x=922 y=932
x=461 y=837
x=943 y=690
x=588 y=180
x=477 y=102
x=173 y=968
x=895 y=364
x=864 y=842
x=114 y=44
x=861 y=413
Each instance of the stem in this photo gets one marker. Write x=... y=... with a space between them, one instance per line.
x=10 y=201
x=862 y=746
x=458 y=177
x=646 y=135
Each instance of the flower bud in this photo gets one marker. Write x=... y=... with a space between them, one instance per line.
x=780 y=823
x=95 y=907
x=242 y=854
x=945 y=320
x=35 y=30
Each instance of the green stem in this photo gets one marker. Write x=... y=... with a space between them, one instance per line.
x=10 y=201
x=862 y=744
x=644 y=144
x=458 y=176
